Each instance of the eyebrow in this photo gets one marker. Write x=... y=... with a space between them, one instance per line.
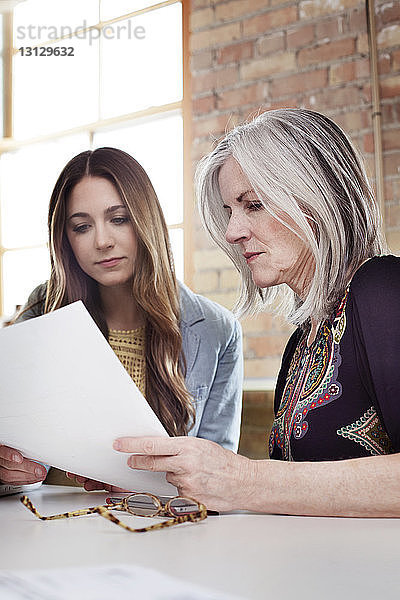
x=240 y=198
x=109 y=210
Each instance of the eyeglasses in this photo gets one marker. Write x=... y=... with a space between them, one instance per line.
x=180 y=509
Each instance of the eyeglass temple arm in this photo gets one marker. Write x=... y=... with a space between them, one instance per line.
x=77 y=513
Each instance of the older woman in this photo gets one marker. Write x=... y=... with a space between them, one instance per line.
x=287 y=198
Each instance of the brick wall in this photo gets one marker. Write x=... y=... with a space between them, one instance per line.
x=252 y=54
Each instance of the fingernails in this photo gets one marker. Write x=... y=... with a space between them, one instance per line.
x=17 y=458
x=38 y=472
x=117 y=445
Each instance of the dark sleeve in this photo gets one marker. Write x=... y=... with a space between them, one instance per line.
x=285 y=364
x=375 y=298
x=34 y=306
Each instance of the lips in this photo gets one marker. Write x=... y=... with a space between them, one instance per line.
x=249 y=256
x=110 y=262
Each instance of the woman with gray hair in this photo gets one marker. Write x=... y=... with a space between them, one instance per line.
x=287 y=198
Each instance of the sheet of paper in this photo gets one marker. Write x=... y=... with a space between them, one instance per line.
x=65 y=397
x=101 y=583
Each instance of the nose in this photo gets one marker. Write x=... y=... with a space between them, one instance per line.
x=103 y=238
x=237 y=230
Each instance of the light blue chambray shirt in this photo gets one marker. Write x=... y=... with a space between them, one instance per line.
x=212 y=347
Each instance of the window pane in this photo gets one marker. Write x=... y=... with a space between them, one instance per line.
x=158 y=145
x=117 y=8
x=176 y=237
x=23 y=270
x=139 y=73
x=1 y=76
x=37 y=21
x=55 y=93
x=27 y=178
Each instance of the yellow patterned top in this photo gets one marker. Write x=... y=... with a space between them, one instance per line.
x=130 y=348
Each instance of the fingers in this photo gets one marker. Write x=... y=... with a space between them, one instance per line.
x=17 y=470
x=165 y=446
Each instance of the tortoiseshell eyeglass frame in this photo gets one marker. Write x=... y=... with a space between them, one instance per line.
x=104 y=511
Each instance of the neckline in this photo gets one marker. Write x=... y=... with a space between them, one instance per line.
x=127 y=331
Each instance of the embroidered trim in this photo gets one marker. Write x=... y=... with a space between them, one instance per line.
x=369 y=433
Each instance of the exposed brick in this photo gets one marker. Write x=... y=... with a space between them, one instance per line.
x=390 y=87
x=299 y=82
x=215 y=37
x=368 y=142
x=227 y=299
x=242 y=96
x=300 y=37
x=202 y=60
x=392 y=215
x=337 y=98
x=201 y=18
x=196 y=4
x=390 y=36
x=393 y=240
x=267 y=66
x=396 y=60
x=269 y=345
x=200 y=148
x=391 y=166
x=269 y=20
x=229 y=279
x=203 y=105
x=311 y=9
x=388 y=191
x=272 y=43
x=358 y=20
x=213 y=259
x=201 y=239
x=205 y=281
x=326 y=52
x=389 y=12
x=354 y=121
x=362 y=44
x=210 y=126
x=214 y=80
x=235 y=52
x=349 y=71
x=238 y=8
x=262 y=367
x=384 y=63
x=329 y=28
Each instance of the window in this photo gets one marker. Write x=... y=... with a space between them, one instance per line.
x=121 y=85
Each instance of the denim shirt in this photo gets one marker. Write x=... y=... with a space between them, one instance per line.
x=212 y=349
x=212 y=346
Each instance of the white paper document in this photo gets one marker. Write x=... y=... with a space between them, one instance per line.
x=101 y=583
x=65 y=397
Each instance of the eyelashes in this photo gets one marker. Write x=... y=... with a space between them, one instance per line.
x=115 y=220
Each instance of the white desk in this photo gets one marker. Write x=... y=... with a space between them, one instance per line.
x=255 y=556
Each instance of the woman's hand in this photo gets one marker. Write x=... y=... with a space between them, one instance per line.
x=17 y=470
x=199 y=468
x=90 y=484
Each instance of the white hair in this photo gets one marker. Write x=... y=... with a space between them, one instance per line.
x=303 y=169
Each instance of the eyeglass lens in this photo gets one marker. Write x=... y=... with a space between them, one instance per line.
x=143 y=505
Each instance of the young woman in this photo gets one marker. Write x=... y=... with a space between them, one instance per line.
x=109 y=248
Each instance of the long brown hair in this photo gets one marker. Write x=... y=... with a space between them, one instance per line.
x=155 y=287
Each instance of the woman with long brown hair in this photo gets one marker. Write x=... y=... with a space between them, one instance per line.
x=109 y=247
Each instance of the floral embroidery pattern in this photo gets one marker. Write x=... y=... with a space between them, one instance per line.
x=311 y=382
x=368 y=432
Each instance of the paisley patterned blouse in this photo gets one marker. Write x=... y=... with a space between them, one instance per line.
x=340 y=397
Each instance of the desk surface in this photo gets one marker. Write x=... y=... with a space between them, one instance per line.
x=251 y=555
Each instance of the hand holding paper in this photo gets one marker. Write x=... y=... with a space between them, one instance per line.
x=65 y=397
